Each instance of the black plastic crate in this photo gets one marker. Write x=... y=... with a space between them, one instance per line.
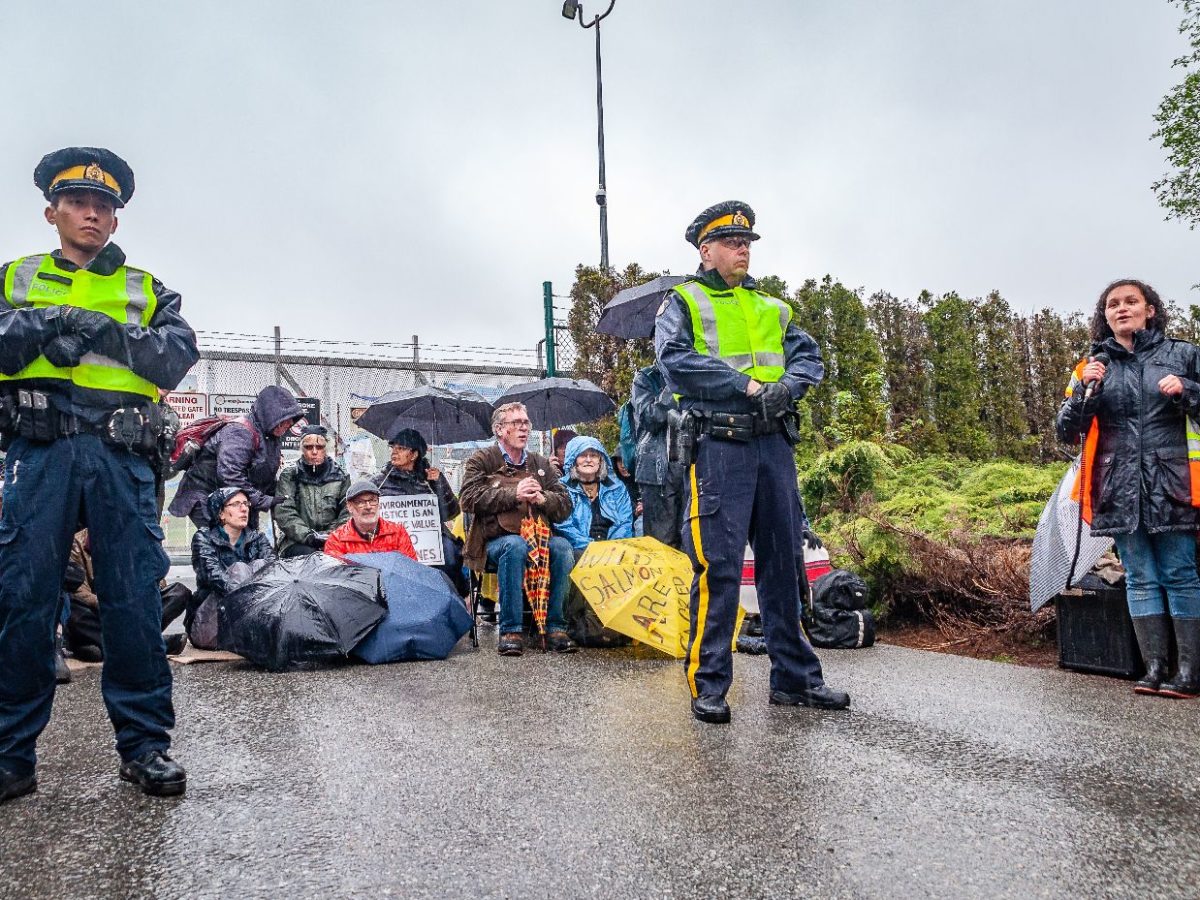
x=1095 y=633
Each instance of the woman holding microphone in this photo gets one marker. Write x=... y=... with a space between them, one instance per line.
x=1135 y=401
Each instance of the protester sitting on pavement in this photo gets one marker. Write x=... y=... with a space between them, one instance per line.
x=601 y=509
x=311 y=497
x=409 y=473
x=244 y=454
x=1142 y=394
x=225 y=554
x=82 y=631
x=562 y=437
x=367 y=531
x=502 y=484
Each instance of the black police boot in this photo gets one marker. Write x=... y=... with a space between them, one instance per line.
x=751 y=645
x=62 y=672
x=1186 y=683
x=156 y=773
x=176 y=643
x=753 y=626
x=820 y=697
x=13 y=786
x=1154 y=642
x=711 y=709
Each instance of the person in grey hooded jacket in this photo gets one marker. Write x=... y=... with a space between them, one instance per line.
x=245 y=454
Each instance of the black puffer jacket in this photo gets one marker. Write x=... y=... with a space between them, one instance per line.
x=1140 y=472
x=400 y=483
x=213 y=554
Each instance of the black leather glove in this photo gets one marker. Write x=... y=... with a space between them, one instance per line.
x=317 y=540
x=774 y=399
x=811 y=541
x=64 y=351
x=94 y=327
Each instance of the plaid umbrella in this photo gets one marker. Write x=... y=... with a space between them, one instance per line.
x=536 y=532
x=1061 y=541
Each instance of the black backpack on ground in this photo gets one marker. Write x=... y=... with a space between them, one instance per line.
x=839 y=618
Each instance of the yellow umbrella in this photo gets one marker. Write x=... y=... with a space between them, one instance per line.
x=639 y=587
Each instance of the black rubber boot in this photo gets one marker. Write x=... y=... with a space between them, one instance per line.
x=62 y=672
x=1154 y=642
x=1186 y=683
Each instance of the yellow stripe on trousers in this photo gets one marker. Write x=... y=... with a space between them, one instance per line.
x=702 y=610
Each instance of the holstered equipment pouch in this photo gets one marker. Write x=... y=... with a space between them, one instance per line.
x=681 y=437
x=37 y=419
x=737 y=427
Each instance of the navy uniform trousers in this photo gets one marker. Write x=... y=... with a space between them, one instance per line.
x=743 y=493
x=48 y=490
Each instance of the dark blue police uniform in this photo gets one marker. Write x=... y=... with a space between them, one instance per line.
x=740 y=491
x=70 y=463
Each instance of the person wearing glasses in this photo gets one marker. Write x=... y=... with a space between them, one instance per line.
x=311 y=497
x=224 y=554
x=367 y=531
x=738 y=364
x=502 y=485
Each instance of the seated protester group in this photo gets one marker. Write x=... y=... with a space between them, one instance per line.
x=244 y=454
x=225 y=553
x=601 y=510
x=367 y=531
x=502 y=484
x=310 y=497
x=409 y=473
x=82 y=631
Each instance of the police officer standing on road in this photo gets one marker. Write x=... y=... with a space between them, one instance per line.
x=86 y=342
x=739 y=366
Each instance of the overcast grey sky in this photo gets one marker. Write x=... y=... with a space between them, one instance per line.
x=370 y=170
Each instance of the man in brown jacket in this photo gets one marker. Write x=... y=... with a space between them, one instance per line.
x=502 y=484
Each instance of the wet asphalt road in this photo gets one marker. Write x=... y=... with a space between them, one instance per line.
x=586 y=776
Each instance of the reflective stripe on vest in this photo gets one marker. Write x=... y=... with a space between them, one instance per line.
x=1092 y=441
x=127 y=295
x=741 y=327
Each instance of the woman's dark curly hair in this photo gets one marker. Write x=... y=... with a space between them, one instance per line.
x=1099 y=328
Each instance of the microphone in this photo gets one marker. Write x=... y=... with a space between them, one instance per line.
x=1105 y=360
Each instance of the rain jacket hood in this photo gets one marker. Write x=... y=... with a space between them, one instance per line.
x=614 y=499
x=273 y=406
x=576 y=446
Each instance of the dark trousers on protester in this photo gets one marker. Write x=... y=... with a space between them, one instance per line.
x=49 y=490
x=739 y=491
x=83 y=626
x=663 y=506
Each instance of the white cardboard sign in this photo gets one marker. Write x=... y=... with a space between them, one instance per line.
x=420 y=516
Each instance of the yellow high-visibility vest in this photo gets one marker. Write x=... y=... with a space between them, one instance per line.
x=744 y=328
x=127 y=295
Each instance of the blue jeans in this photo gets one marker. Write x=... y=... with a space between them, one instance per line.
x=510 y=554
x=47 y=489
x=1158 y=563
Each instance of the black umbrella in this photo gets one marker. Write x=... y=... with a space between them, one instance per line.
x=631 y=313
x=306 y=609
x=558 y=402
x=441 y=415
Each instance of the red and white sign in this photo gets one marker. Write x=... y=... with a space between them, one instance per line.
x=188 y=405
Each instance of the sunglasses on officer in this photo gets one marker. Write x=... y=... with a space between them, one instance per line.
x=733 y=243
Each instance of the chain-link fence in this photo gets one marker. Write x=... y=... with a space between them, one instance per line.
x=344 y=378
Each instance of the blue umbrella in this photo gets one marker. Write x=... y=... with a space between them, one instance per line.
x=425 y=617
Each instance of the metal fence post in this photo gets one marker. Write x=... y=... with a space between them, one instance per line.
x=548 y=304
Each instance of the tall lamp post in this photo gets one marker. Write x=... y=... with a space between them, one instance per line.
x=572 y=9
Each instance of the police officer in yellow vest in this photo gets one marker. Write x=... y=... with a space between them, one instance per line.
x=86 y=341
x=738 y=364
